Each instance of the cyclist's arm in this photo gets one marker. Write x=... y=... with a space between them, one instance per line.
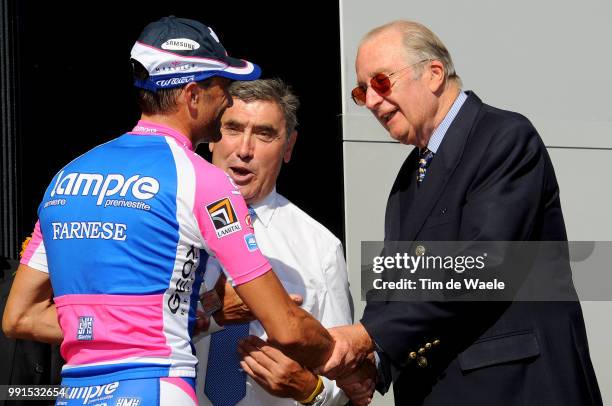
x=30 y=313
x=290 y=328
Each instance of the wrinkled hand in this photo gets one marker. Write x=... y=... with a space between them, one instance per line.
x=234 y=310
x=202 y=322
x=278 y=374
x=359 y=386
x=352 y=345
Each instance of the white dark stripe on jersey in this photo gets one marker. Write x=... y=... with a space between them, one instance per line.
x=176 y=325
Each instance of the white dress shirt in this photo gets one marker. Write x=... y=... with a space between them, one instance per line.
x=308 y=259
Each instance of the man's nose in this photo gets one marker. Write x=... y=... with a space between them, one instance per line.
x=372 y=98
x=245 y=149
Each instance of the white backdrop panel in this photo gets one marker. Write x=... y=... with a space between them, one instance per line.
x=545 y=59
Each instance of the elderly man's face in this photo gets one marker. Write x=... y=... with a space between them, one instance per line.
x=253 y=146
x=408 y=109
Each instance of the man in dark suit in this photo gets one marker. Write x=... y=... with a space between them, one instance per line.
x=476 y=173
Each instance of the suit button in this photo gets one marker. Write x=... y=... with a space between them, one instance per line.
x=419 y=251
x=443 y=211
x=428 y=346
x=422 y=362
x=421 y=351
x=412 y=355
x=436 y=342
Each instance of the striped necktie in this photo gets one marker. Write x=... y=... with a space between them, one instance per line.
x=225 y=383
x=252 y=213
x=425 y=158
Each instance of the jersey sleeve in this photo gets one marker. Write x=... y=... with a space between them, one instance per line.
x=226 y=226
x=35 y=255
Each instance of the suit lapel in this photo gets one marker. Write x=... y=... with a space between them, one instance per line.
x=400 y=198
x=440 y=170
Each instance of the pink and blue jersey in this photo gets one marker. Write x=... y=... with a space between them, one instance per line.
x=124 y=232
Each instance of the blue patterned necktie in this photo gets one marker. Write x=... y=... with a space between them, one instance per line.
x=225 y=383
x=424 y=161
x=252 y=213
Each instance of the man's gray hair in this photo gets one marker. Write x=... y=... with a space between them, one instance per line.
x=420 y=44
x=274 y=90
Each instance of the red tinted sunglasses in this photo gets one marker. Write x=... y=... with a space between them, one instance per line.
x=380 y=82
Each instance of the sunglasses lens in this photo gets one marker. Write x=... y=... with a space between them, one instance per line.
x=359 y=95
x=381 y=83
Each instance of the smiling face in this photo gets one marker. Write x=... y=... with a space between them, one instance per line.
x=407 y=111
x=253 y=146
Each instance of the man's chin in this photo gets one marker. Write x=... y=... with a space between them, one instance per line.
x=400 y=137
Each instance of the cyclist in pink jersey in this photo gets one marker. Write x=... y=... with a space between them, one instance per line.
x=114 y=259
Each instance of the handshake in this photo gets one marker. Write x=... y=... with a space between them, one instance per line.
x=352 y=362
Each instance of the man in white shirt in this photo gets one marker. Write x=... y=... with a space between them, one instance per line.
x=258 y=134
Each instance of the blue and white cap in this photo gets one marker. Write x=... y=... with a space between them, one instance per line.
x=176 y=51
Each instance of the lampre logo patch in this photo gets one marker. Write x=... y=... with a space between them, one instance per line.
x=85 y=331
x=104 y=185
x=223 y=216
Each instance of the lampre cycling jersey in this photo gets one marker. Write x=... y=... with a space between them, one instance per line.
x=122 y=232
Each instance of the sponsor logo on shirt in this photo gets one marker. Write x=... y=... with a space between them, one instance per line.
x=248 y=220
x=143 y=129
x=85 y=331
x=250 y=241
x=55 y=202
x=223 y=216
x=182 y=285
x=97 y=184
x=128 y=402
x=90 y=394
x=90 y=230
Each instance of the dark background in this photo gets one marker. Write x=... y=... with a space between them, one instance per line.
x=75 y=88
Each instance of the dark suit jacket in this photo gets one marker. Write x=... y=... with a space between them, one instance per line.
x=491 y=180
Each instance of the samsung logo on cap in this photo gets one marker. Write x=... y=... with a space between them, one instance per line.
x=180 y=44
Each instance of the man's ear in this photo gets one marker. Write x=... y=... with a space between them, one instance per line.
x=191 y=94
x=436 y=71
x=289 y=146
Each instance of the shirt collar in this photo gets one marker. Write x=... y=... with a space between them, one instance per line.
x=266 y=207
x=440 y=131
x=145 y=127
